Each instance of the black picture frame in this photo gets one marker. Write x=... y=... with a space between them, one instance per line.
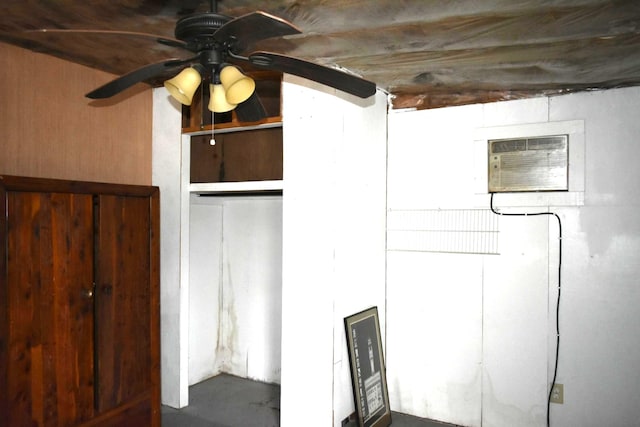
x=368 y=371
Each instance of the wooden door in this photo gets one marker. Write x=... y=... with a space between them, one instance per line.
x=48 y=309
x=125 y=310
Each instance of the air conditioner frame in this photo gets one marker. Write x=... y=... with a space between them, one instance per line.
x=535 y=163
x=577 y=153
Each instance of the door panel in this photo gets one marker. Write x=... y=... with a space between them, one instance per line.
x=50 y=308
x=123 y=309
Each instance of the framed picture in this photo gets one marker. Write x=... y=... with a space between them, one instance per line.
x=368 y=375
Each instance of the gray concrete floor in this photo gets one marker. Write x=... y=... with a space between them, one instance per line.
x=228 y=401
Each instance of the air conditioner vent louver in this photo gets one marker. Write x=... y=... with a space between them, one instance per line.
x=529 y=164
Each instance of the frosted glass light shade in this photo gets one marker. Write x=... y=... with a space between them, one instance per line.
x=184 y=85
x=237 y=86
x=218 y=101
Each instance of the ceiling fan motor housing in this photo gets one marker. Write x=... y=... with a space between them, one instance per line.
x=200 y=27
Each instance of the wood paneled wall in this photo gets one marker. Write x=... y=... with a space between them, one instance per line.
x=49 y=129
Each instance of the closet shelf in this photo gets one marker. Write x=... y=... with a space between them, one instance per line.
x=242 y=187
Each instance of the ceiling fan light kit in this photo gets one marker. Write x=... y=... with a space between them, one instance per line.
x=183 y=86
x=218 y=100
x=234 y=89
x=237 y=86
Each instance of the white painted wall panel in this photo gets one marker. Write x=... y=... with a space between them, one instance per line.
x=360 y=239
x=515 y=325
x=516 y=112
x=333 y=242
x=427 y=151
x=252 y=289
x=167 y=174
x=600 y=349
x=205 y=263
x=435 y=295
x=308 y=278
x=434 y=335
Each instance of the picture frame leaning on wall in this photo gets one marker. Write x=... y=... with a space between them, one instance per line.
x=368 y=372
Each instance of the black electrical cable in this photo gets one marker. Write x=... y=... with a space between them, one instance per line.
x=555 y=369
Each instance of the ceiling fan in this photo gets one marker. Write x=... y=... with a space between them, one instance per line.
x=219 y=43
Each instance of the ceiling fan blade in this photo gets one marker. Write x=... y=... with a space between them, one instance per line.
x=252 y=28
x=251 y=110
x=136 y=76
x=329 y=76
x=160 y=39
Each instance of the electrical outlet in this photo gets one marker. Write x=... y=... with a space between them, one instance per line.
x=557 y=393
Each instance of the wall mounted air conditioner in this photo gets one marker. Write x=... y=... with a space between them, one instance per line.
x=529 y=164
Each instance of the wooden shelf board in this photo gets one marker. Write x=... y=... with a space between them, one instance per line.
x=233 y=126
x=236 y=187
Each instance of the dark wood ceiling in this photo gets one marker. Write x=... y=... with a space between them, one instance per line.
x=427 y=53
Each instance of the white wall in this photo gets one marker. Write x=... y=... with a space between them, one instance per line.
x=334 y=204
x=602 y=259
x=333 y=242
x=235 y=287
x=471 y=336
x=205 y=286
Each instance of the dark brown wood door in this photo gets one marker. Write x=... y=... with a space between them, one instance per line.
x=50 y=380
x=123 y=302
